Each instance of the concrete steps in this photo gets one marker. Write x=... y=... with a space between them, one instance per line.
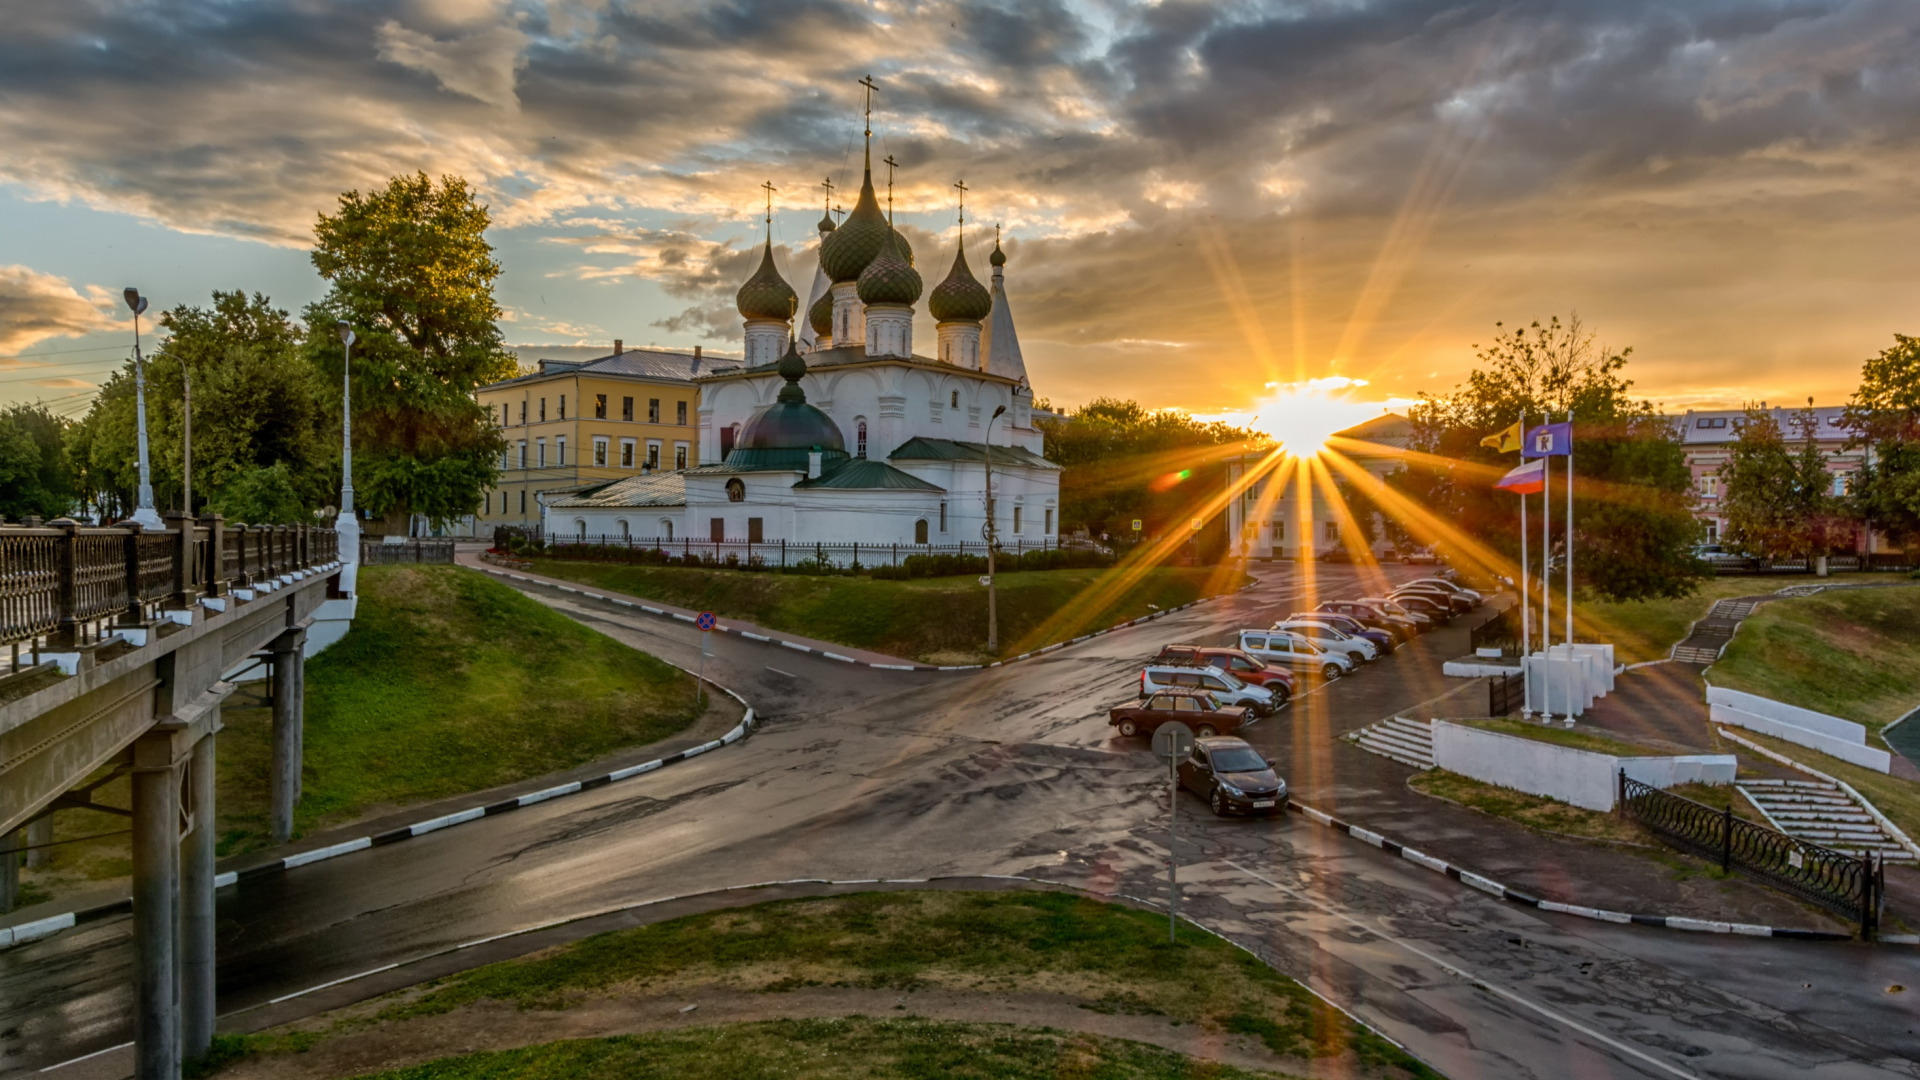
x=1409 y=742
x=1819 y=812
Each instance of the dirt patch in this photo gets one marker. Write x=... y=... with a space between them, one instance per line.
x=359 y=1047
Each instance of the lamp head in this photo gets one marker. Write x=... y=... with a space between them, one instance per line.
x=345 y=332
x=134 y=300
x=998 y=409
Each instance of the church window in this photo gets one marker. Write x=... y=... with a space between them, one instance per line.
x=580 y=529
x=920 y=531
x=1049 y=529
x=1016 y=519
x=756 y=534
x=599 y=406
x=666 y=528
x=624 y=531
x=736 y=490
x=943 y=517
x=726 y=441
x=626 y=408
x=953 y=400
x=716 y=529
x=860 y=440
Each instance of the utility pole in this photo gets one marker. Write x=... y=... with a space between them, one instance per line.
x=186 y=440
x=993 y=611
x=143 y=511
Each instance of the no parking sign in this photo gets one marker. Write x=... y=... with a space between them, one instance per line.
x=707 y=620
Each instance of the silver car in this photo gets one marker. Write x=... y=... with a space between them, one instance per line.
x=1359 y=650
x=1286 y=647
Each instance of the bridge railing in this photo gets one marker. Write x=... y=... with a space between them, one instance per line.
x=64 y=584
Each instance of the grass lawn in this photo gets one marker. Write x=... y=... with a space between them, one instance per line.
x=855 y=1048
x=1647 y=629
x=448 y=682
x=1846 y=652
x=1105 y=957
x=1584 y=738
x=935 y=620
x=1551 y=815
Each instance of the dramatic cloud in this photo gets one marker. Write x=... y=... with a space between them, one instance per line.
x=1281 y=190
x=36 y=306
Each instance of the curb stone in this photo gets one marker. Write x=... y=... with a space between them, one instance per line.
x=53 y=924
x=1504 y=892
x=798 y=647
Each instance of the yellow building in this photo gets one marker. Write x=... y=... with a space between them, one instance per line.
x=575 y=423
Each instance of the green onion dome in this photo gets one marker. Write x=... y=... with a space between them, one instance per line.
x=766 y=295
x=826 y=222
x=889 y=278
x=960 y=296
x=820 y=315
x=848 y=249
x=998 y=258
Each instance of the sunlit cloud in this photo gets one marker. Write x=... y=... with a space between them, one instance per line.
x=35 y=307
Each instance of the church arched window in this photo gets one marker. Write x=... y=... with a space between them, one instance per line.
x=736 y=490
x=666 y=528
x=581 y=526
x=860 y=438
x=920 y=531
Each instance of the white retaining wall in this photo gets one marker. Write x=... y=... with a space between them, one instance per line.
x=1580 y=777
x=1830 y=735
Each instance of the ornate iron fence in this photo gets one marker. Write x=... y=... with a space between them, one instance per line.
x=62 y=583
x=753 y=554
x=379 y=553
x=1847 y=885
x=1893 y=562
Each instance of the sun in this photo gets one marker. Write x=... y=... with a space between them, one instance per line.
x=1302 y=416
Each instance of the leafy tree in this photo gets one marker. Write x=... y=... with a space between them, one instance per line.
x=35 y=475
x=1885 y=418
x=1122 y=461
x=1778 y=501
x=1635 y=528
x=257 y=404
x=412 y=272
x=263 y=495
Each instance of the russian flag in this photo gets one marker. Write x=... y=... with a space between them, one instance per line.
x=1528 y=479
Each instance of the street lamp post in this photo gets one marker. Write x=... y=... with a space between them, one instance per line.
x=347 y=524
x=993 y=611
x=143 y=511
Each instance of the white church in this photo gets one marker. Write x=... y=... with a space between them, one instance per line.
x=836 y=431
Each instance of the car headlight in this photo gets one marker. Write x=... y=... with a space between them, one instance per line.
x=1231 y=790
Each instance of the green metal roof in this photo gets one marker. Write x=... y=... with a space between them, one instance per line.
x=925 y=449
x=869 y=474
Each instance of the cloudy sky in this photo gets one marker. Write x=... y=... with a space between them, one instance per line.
x=1198 y=199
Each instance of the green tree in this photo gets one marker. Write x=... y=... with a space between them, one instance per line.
x=1633 y=511
x=36 y=477
x=1122 y=461
x=1885 y=418
x=412 y=272
x=1778 y=501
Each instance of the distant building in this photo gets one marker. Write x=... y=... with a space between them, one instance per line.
x=1272 y=520
x=1707 y=437
x=581 y=423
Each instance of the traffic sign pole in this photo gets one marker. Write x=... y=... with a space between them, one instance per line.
x=706 y=622
x=1172 y=741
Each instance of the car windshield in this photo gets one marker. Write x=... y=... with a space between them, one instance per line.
x=1232 y=683
x=1238 y=759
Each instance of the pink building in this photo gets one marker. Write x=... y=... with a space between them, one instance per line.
x=1708 y=437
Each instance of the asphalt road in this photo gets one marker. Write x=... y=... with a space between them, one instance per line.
x=858 y=773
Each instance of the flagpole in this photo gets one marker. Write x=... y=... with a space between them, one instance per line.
x=1526 y=604
x=1569 y=634
x=1546 y=579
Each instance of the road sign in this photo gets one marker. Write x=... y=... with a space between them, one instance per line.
x=707 y=620
x=985 y=580
x=1136 y=524
x=1172 y=741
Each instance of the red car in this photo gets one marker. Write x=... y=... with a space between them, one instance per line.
x=1198 y=711
x=1244 y=666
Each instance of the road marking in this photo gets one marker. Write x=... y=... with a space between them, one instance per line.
x=1472 y=979
x=336 y=982
x=788 y=674
x=86 y=1057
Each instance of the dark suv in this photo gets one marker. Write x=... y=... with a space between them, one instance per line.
x=1246 y=668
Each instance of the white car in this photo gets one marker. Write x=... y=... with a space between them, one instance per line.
x=1225 y=689
x=1452 y=587
x=1286 y=647
x=1359 y=650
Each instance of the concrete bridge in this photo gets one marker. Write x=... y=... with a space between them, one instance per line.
x=115 y=642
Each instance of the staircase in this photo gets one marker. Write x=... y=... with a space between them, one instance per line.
x=1710 y=635
x=1409 y=742
x=1821 y=813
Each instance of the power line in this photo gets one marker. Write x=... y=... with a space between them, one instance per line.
x=62 y=352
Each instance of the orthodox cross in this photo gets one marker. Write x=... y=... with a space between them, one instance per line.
x=891 y=165
x=828 y=184
x=770 y=189
x=841 y=213
x=871 y=90
x=962 y=185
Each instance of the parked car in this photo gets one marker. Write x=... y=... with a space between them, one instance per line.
x=1402 y=629
x=1424 y=622
x=1336 y=554
x=1717 y=555
x=1232 y=777
x=1437 y=608
x=1244 y=667
x=1196 y=709
x=1383 y=640
x=1424 y=555
x=1357 y=649
x=1286 y=647
x=1451 y=586
x=1258 y=700
x=1448 y=603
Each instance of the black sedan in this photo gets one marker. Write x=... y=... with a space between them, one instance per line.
x=1233 y=777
